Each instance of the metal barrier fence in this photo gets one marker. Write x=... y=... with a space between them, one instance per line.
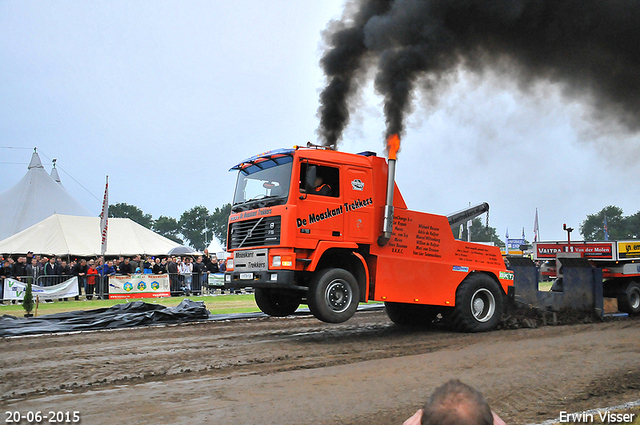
x=180 y=284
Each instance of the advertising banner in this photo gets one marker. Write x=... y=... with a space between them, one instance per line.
x=592 y=250
x=14 y=290
x=216 y=279
x=629 y=249
x=139 y=286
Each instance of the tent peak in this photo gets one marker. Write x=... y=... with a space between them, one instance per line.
x=54 y=172
x=35 y=160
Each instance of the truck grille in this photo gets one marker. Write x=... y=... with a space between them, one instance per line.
x=257 y=232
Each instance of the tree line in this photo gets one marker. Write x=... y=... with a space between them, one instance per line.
x=195 y=227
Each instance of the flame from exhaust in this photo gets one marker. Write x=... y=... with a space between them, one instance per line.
x=393 y=146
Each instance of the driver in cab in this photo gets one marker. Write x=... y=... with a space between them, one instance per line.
x=320 y=187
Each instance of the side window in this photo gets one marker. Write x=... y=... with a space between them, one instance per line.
x=327 y=181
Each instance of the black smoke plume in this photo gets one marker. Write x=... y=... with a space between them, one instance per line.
x=590 y=47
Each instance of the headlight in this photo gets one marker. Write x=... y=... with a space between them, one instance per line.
x=275 y=261
x=230 y=264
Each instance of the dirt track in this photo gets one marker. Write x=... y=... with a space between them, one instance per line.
x=298 y=370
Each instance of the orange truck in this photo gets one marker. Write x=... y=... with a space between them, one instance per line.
x=331 y=229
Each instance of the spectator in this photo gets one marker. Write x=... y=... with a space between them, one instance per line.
x=147 y=266
x=90 y=281
x=80 y=270
x=211 y=262
x=126 y=267
x=65 y=274
x=172 y=269
x=135 y=262
x=33 y=271
x=186 y=271
x=5 y=272
x=52 y=271
x=20 y=269
x=159 y=267
x=455 y=403
x=200 y=273
x=105 y=271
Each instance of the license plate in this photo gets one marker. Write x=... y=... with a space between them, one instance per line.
x=246 y=276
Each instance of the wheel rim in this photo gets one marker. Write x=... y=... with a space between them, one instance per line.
x=338 y=295
x=634 y=299
x=483 y=305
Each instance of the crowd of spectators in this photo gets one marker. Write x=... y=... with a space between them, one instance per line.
x=92 y=273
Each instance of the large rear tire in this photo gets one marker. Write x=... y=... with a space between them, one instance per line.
x=277 y=303
x=479 y=304
x=629 y=300
x=333 y=295
x=410 y=314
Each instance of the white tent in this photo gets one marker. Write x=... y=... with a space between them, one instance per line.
x=35 y=197
x=80 y=236
x=215 y=248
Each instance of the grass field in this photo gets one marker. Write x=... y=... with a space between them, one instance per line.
x=219 y=304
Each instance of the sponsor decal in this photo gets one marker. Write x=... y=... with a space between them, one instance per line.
x=155 y=285
x=142 y=285
x=460 y=269
x=357 y=184
x=330 y=213
x=128 y=286
x=506 y=275
x=250 y=214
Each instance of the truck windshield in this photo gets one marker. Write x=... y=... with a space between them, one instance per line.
x=264 y=186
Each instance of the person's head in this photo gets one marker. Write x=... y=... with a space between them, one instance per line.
x=34 y=262
x=91 y=264
x=199 y=259
x=22 y=259
x=83 y=262
x=126 y=260
x=110 y=263
x=456 y=403
x=157 y=261
x=319 y=180
x=52 y=259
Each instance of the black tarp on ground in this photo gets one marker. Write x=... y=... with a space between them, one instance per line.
x=127 y=315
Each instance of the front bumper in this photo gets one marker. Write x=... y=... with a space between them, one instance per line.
x=282 y=279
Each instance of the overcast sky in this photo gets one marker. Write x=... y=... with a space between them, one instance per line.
x=166 y=96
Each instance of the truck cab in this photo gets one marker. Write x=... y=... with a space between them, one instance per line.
x=305 y=228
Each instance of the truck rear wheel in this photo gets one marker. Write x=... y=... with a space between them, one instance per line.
x=410 y=314
x=277 y=303
x=333 y=295
x=479 y=304
x=629 y=300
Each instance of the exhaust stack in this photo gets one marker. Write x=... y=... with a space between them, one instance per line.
x=393 y=145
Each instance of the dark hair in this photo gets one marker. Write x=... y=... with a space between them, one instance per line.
x=456 y=403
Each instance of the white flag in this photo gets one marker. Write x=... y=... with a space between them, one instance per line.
x=104 y=218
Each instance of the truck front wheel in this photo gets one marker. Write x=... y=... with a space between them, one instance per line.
x=629 y=300
x=333 y=295
x=479 y=304
x=277 y=303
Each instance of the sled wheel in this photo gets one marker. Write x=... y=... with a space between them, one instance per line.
x=629 y=300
